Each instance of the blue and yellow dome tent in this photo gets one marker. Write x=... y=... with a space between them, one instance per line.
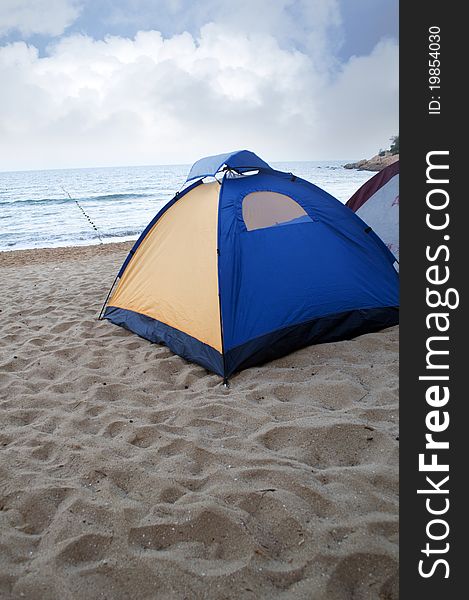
x=253 y=265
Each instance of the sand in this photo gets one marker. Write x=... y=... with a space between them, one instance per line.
x=128 y=473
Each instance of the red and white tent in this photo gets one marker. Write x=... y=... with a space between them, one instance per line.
x=377 y=203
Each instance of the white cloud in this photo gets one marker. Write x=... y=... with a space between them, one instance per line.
x=152 y=100
x=304 y=23
x=362 y=101
x=47 y=17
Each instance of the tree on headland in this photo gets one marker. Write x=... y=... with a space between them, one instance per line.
x=394 y=149
x=381 y=160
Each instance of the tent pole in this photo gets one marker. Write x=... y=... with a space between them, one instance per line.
x=100 y=317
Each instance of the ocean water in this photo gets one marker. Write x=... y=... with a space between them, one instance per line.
x=36 y=212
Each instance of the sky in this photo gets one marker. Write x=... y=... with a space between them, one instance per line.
x=133 y=82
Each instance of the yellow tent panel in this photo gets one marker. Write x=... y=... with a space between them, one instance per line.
x=173 y=275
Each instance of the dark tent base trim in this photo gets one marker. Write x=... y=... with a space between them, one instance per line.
x=179 y=342
x=330 y=328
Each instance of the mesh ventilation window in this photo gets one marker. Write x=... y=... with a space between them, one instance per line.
x=269 y=209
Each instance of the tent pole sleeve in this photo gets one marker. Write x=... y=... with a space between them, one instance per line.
x=225 y=380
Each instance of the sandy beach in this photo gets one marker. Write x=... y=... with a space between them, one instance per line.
x=128 y=473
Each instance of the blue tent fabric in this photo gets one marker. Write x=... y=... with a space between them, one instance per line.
x=276 y=277
x=322 y=277
x=158 y=332
x=330 y=328
x=240 y=160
